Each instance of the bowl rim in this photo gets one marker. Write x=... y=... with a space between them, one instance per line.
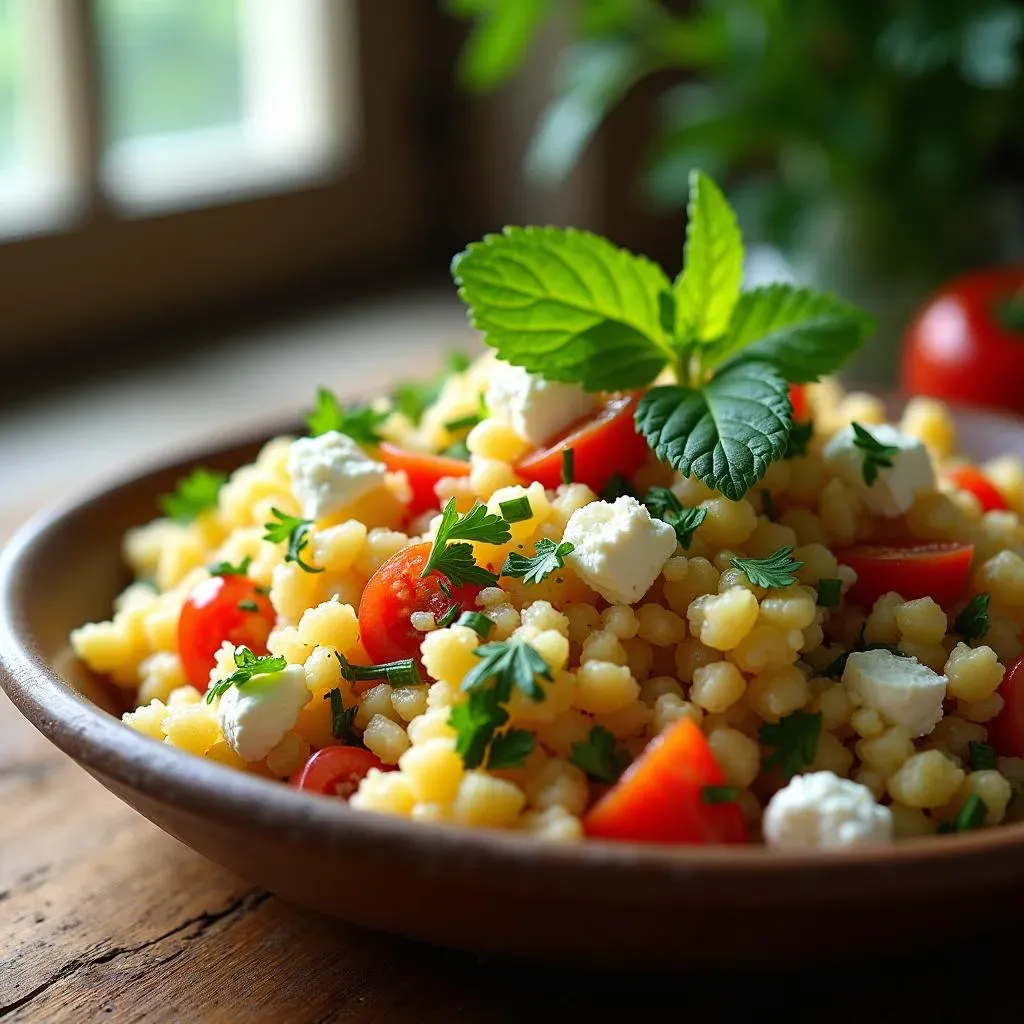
x=107 y=747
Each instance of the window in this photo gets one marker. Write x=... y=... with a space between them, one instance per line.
x=158 y=157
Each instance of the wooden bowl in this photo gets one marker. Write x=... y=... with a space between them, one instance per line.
x=596 y=904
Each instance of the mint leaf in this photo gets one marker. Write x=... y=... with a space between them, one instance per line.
x=804 y=334
x=568 y=305
x=725 y=433
x=774 y=571
x=707 y=289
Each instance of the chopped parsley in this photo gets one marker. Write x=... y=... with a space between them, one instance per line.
x=972 y=622
x=876 y=455
x=618 y=486
x=549 y=557
x=361 y=422
x=511 y=664
x=462 y=423
x=395 y=673
x=510 y=749
x=475 y=722
x=295 y=532
x=980 y=756
x=972 y=816
x=477 y=622
x=718 y=794
x=193 y=495
x=516 y=510
x=664 y=505
x=568 y=465
x=412 y=398
x=342 y=718
x=599 y=756
x=247 y=665
x=774 y=571
x=794 y=742
x=830 y=592
x=248 y=605
x=227 y=569
x=455 y=561
x=800 y=435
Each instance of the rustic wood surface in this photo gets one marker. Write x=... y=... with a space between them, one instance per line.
x=104 y=917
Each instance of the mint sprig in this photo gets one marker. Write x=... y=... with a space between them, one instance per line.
x=573 y=307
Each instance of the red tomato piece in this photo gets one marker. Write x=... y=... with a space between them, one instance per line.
x=423 y=470
x=221 y=608
x=971 y=479
x=1006 y=730
x=336 y=771
x=938 y=571
x=393 y=593
x=967 y=342
x=603 y=445
x=801 y=407
x=660 y=797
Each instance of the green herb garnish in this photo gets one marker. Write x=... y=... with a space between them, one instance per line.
x=449 y=615
x=800 y=435
x=412 y=399
x=511 y=664
x=548 y=557
x=663 y=504
x=395 y=673
x=227 y=569
x=794 y=742
x=876 y=455
x=193 y=494
x=295 y=532
x=455 y=561
x=475 y=722
x=462 y=423
x=510 y=749
x=480 y=624
x=599 y=756
x=247 y=666
x=981 y=757
x=830 y=592
x=972 y=816
x=972 y=622
x=774 y=571
x=359 y=422
x=718 y=794
x=248 y=605
x=573 y=307
x=342 y=718
x=569 y=466
x=618 y=486
x=516 y=510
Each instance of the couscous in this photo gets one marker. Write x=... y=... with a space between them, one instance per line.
x=644 y=572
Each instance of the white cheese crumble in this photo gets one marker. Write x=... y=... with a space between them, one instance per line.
x=892 y=494
x=254 y=717
x=538 y=410
x=619 y=549
x=901 y=690
x=822 y=811
x=329 y=472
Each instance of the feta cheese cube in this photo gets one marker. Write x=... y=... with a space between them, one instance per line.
x=823 y=811
x=255 y=716
x=901 y=690
x=329 y=472
x=536 y=409
x=893 y=492
x=618 y=548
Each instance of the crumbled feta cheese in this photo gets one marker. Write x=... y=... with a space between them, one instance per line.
x=330 y=471
x=255 y=716
x=901 y=690
x=618 y=548
x=824 y=811
x=893 y=492
x=536 y=409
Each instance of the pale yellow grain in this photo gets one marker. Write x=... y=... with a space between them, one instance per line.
x=980 y=710
x=337 y=548
x=974 y=674
x=1002 y=576
x=431 y=725
x=639 y=658
x=806 y=526
x=727 y=523
x=148 y=720
x=603 y=646
x=669 y=708
x=721 y=621
x=291 y=752
x=409 y=701
x=930 y=422
x=192 y=727
x=448 y=653
x=717 y=686
x=789 y=608
x=486 y=801
x=926 y=779
x=768 y=537
x=778 y=693
x=701 y=578
x=385 y=738
x=384 y=793
x=921 y=621
x=888 y=751
x=376 y=701
x=737 y=755
x=764 y=648
x=910 y=822
x=603 y=687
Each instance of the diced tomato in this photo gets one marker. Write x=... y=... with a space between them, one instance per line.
x=221 y=608
x=660 y=797
x=971 y=479
x=1006 y=730
x=423 y=470
x=938 y=571
x=393 y=593
x=801 y=407
x=336 y=771
x=602 y=445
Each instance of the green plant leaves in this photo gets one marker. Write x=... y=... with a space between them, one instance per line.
x=567 y=304
x=725 y=433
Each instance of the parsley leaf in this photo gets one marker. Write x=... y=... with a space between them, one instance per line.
x=725 y=433
x=794 y=742
x=413 y=398
x=360 y=423
x=293 y=530
x=972 y=622
x=475 y=722
x=980 y=757
x=567 y=304
x=972 y=815
x=774 y=571
x=707 y=290
x=342 y=718
x=511 y=664
x=617 y=486
x=800 y=435
x=664 y=505
x=247 y=665
x=192 y=495
x=548 y=558
x=599 y=756
x=876 y=454
x=718 y=794
x=510 y=749
x=455 y=561
x=227 y=569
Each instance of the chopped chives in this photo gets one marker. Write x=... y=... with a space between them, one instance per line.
x=449 y=615
x=568 y=466
x=475 y=621
x=395 y=673
x=971 y=816
x=718 y=794
x=516 y=510
x=248 y=606
x=463 y=422
x=829 y=592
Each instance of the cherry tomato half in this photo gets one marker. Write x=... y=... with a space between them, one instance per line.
x=938 y=571
x=221 y=608
x=660 y=797
x=801 y=407
x=1006 y=730
x=602 y=445
x=971 y=479
x=967 y=343
x=423 y=470
x=336 y=771
x=393 y=593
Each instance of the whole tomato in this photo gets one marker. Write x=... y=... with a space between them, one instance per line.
x=967 y=343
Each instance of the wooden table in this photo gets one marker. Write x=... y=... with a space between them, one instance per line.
x=104 y=917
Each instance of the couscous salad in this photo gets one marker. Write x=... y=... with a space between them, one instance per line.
x=642 y=572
